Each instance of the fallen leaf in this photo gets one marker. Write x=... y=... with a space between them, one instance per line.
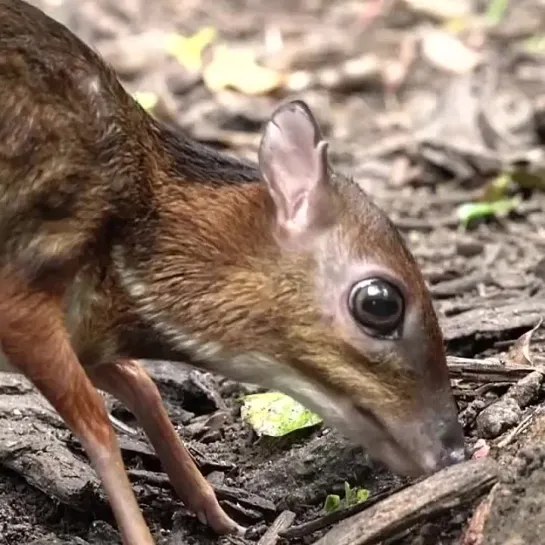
x=458 y=24
x=535 y=44
x=188 y=50
x=275 y=414
x=146 y=99
x=496 y=10
x=476 y=210
x=529 y=180
x=474 y=532
x=443 y=9
x=446 y=52
x=371 y=10
x=519 y=352
x=497 y=188
x=238 y=69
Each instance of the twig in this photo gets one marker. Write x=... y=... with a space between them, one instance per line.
x=282 y=522
x=510 y=437
x=449 y=288
x=486 y=370
x=121 y=426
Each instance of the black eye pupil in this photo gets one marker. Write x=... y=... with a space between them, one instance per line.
x=377 y=305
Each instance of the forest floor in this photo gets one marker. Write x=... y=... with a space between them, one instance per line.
x=430 y=109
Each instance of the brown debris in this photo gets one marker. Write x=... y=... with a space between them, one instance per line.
x=449 y=488
x=474 y=532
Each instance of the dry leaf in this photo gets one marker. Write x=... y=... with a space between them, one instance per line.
x=237 y=69
x=519 y=353
x=446 y=52
x=188 y=50
x=474 y=532
x=443 y=9
x=371 y=10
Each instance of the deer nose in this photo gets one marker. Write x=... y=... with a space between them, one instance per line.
x=453 y=456
x=452 y=440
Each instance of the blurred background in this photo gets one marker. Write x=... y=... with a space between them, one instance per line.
x=436 y=107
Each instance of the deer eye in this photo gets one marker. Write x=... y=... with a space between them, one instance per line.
x=377 y=305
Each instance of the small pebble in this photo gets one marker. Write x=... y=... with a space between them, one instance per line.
x=527 y=389
x=481 y=449
x=498 y=417
x=469 y=248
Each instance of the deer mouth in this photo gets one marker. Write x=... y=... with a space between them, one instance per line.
x=414 y=447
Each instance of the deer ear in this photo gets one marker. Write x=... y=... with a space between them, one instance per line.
x=293 y=163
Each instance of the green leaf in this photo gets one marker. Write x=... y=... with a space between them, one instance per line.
x=362 y=495
x=470 y=211
x=535 y=44
x=332 y=503
x=498 y=187
x=352 y=496
x=496 y=10
x=188 y=50
x=275 y=414
x=347 y=493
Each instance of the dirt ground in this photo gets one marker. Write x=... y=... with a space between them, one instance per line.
x=423 y=134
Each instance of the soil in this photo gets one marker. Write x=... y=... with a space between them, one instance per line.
x=422 y=140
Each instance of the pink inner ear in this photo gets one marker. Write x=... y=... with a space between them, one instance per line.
x=299 y=215
x=293 y=163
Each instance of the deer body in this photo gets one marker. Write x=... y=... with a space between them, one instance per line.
x=122 y=240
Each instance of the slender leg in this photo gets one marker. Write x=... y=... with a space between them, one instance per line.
x=35 y=341
x=129 y=382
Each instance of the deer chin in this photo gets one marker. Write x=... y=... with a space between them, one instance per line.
x=413 y=447
x=409 y=448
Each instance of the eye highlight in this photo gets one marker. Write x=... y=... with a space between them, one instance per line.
x=377 y=305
